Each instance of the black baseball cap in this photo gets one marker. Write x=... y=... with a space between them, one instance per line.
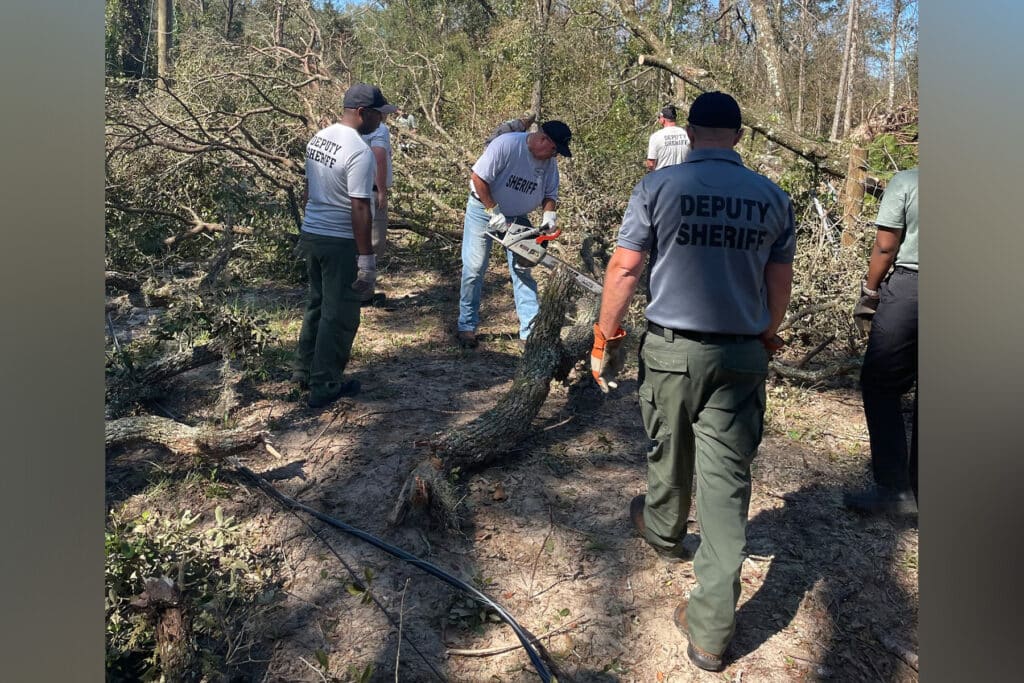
x=559 y=134
x=366 y=95
x=669 y=112
x=715 y=110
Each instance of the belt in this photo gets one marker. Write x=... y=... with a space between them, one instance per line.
x=702 y=337
x=475 y=196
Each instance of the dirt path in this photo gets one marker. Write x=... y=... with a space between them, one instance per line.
x=547 y=534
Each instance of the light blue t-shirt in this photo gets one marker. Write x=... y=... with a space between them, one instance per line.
x=711 y=226
x=519 y=183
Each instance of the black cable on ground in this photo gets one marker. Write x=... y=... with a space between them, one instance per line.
x=425 y=566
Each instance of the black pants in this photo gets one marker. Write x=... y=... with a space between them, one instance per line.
x=889 y=371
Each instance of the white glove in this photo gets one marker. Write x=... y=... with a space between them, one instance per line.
x=497 y=221
x=547 y=223
x=366 y=277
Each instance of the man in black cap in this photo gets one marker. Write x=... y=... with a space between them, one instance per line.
x=337 y=243
x=668 y=145
x=516 y=173
x=723 y=240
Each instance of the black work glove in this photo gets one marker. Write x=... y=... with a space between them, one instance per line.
x=864 y=312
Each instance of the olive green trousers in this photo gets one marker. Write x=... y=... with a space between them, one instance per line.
x=702 y=404
x=331 y=320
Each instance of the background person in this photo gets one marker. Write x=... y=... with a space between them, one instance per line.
x=380 y=144
x=669 y=144
x=720 y=284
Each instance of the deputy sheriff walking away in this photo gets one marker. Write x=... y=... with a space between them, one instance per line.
x=889 y=302
x=517 y=173
x=669 y=144
x=337 y=244
x=721 y=239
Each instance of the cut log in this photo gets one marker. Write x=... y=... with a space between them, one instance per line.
x=179 y=438
x=141 y=384
x=487 y=438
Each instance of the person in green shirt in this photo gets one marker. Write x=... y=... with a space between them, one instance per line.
x=889 y=305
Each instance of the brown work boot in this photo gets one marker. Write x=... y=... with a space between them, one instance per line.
x=701 y=658
x=467 y=339
x=636 y=515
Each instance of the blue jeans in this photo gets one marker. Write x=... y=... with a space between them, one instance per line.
x=476 y=251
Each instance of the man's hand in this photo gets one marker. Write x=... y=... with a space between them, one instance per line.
x=864 y=312
x=382 y=201
x=366 y=276
x=497 y=222
x=607 y=358
x=772 y=342
x=547 y=223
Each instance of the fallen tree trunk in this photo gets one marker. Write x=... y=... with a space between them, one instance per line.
x=180 y=439
x=138 y=385
x=487 y=438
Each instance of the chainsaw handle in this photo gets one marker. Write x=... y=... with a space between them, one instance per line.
x=541 y=239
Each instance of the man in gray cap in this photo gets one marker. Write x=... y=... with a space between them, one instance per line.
x=337 y=243
x=669 y=144
x=516 y=173
x=722 y=240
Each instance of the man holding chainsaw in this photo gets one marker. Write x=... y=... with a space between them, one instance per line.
x=722 y=240
x=515 y=175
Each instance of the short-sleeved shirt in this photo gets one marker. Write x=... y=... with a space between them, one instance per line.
x=898 y=211
x=407 y=122
x=510 y=126
x=519 y=183
x=668 y=146
x=339 y=166
x=382 y=138
x=711 y=226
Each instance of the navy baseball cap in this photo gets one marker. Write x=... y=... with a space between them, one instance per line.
x=715 y=110
x=560 y=135
x=669 y=112
x=366 y=95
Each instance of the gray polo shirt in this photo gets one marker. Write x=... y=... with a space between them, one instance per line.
x=711 y=225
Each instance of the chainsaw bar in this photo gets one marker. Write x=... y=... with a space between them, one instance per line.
x=524 y=246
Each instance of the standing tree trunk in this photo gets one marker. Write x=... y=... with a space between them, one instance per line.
x=801 y=72
x=848 y=109
x=853 y=194
x=280 y=12
x=540 y=57
x=843 y=72
x=768 y=46
x=164 y=27
x=897 y=9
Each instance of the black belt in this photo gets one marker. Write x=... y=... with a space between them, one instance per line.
x=702 y=337
x=475 y=196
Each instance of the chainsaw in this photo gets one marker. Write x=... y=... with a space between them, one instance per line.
x=528 y=246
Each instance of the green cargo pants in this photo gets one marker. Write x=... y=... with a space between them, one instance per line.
x=331 y=320
x=703 y=407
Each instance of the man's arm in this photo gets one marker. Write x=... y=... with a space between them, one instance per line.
x=620 y=281
x=483 y=191
x=305 y=190
x=381 y=178
x=362 y=219
x=778 y=282
x=883 y=255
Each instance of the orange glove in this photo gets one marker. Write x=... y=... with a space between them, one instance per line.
x=607 y=358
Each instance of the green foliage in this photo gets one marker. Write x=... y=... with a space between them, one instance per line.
x=222 y=582
x=892 y=152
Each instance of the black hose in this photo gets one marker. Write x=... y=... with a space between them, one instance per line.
x=428 y=567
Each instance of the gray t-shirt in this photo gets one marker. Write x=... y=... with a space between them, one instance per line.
x=898 y=211
x=339 y=166
x=711 y=226
x=518 y=181
x=668 y=146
